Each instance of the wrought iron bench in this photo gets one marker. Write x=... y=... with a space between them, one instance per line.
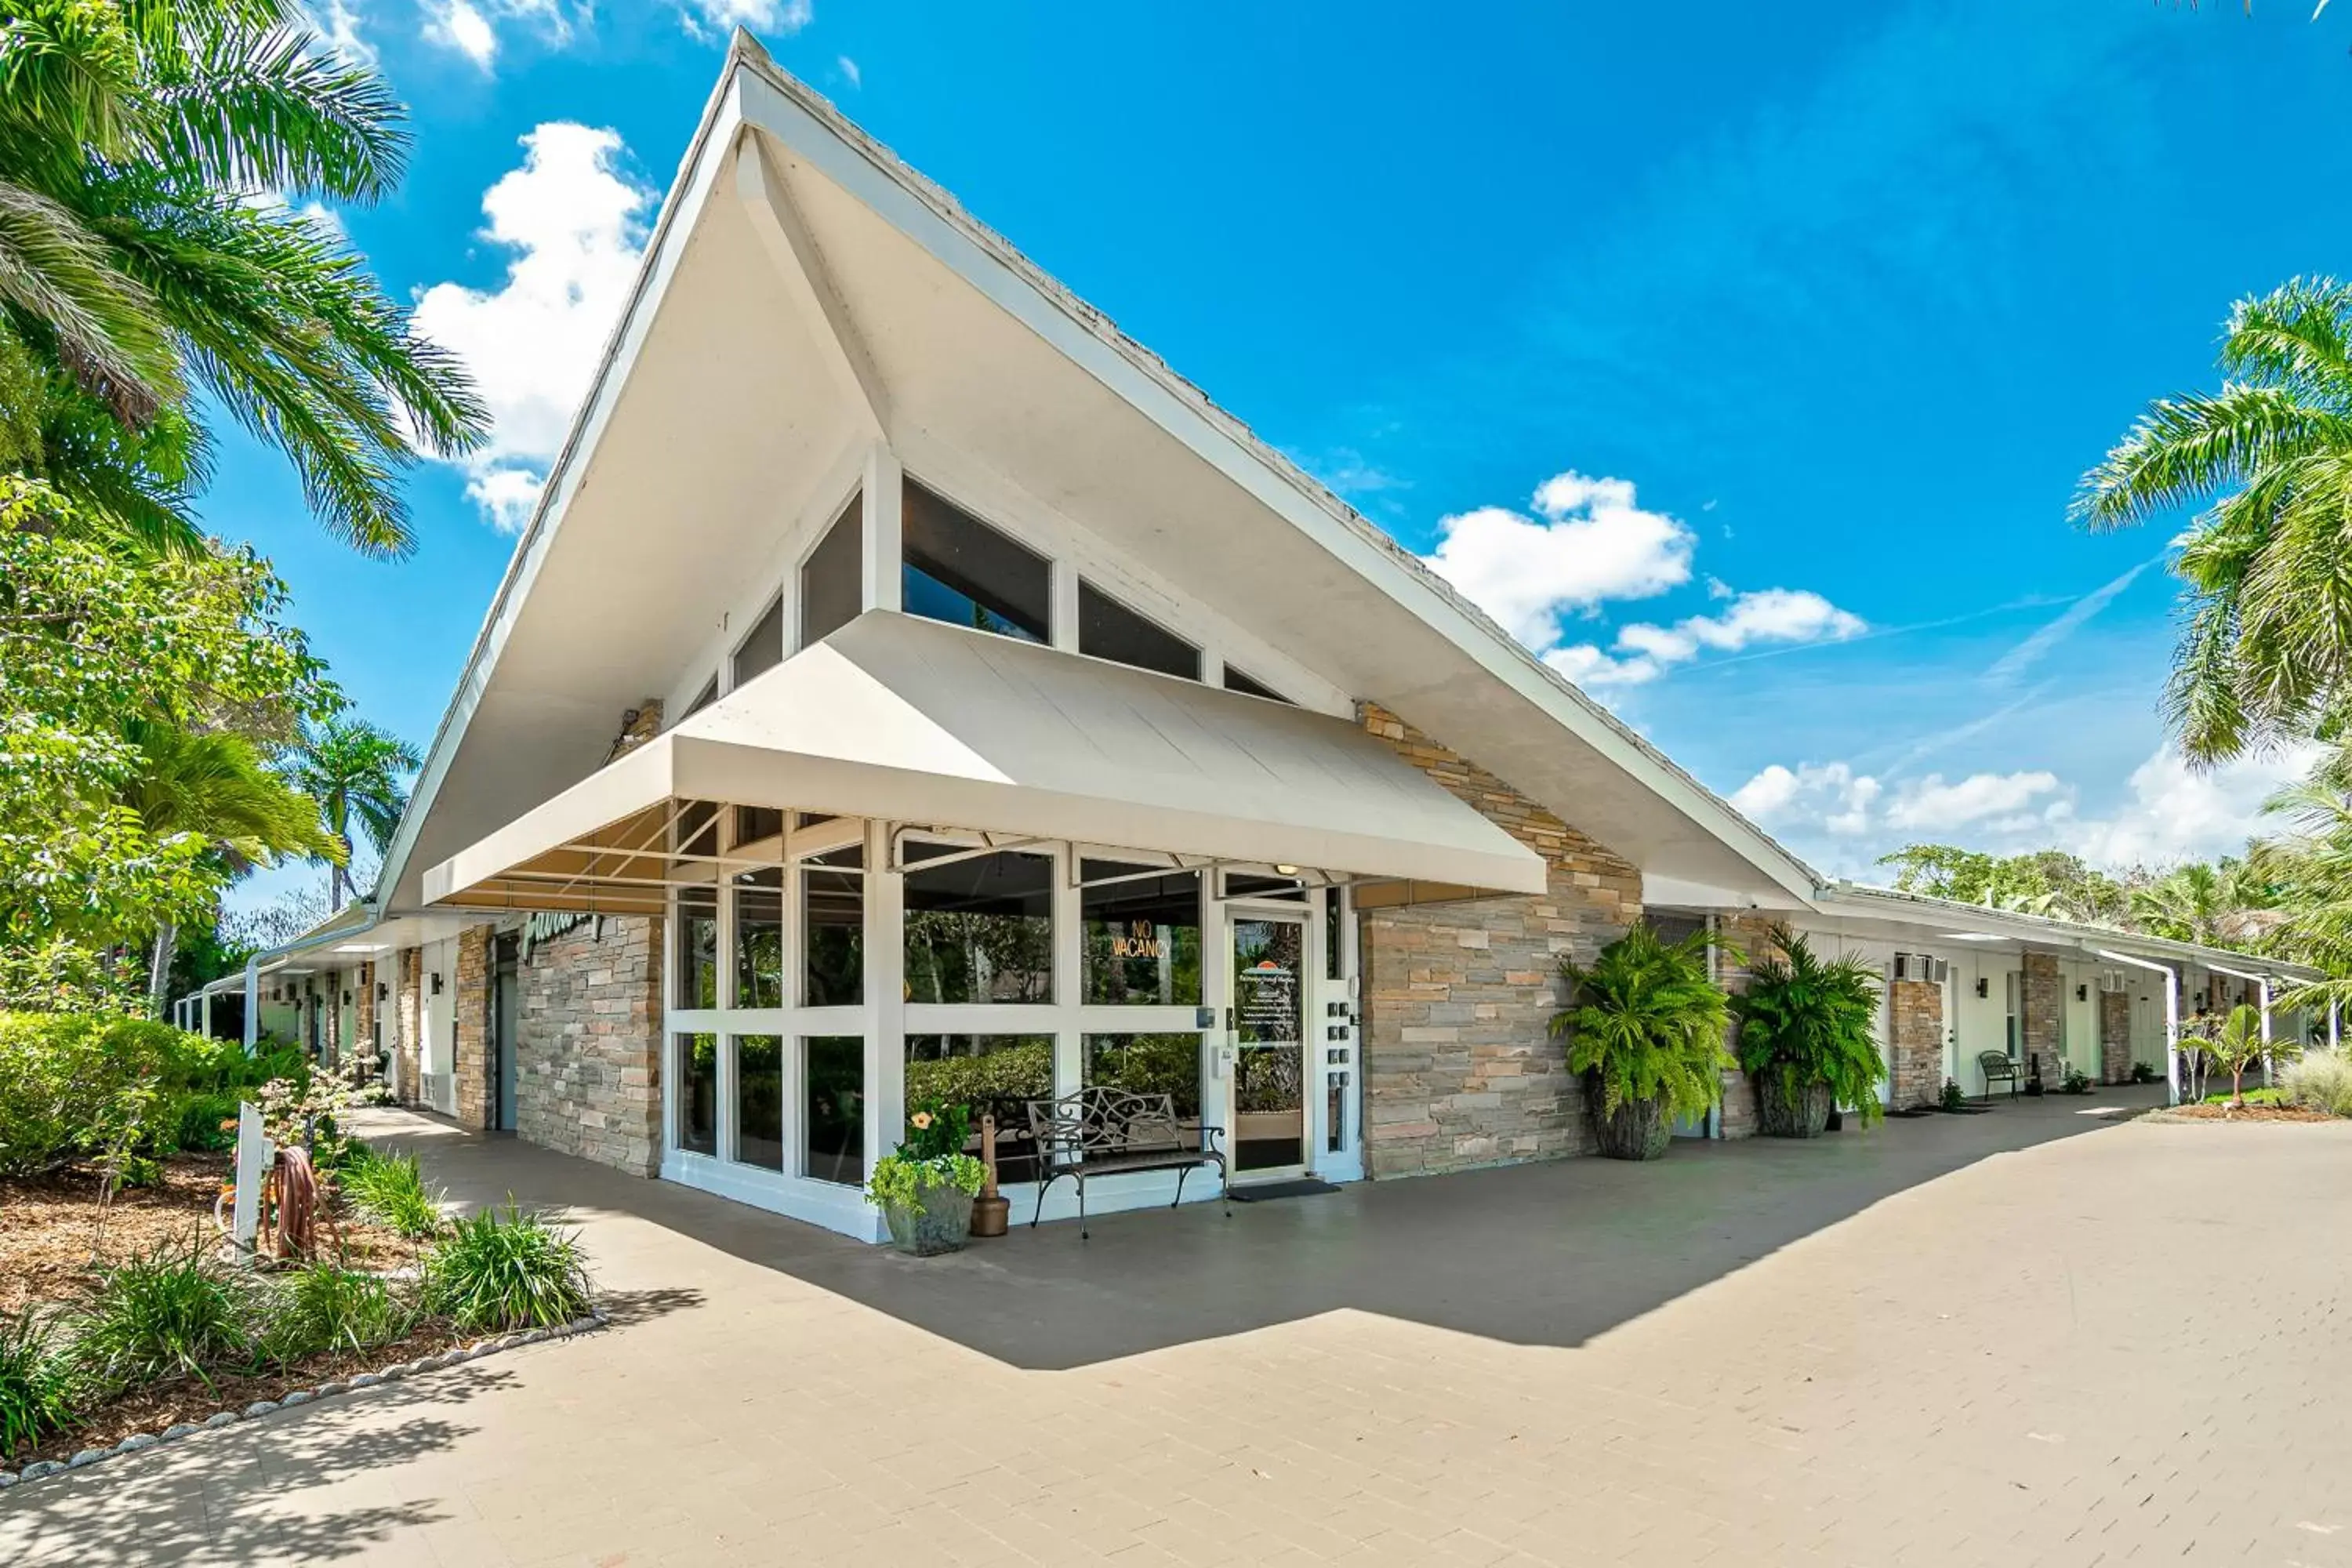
x=1996 y=1065
x=1106 y=1132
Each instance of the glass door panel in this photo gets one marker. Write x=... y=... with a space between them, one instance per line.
x=1269 y=1100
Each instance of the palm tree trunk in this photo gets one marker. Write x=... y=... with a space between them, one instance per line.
x=158 y=966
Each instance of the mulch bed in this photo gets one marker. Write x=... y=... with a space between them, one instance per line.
x=2240 y=1113
x=50 y=1231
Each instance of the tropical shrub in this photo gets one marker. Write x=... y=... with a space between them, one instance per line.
x=1645 y=1028
x=1807 y=1024
x=2234 y=1044
x=511 y=1271
x=1000 y=1080
x=207 y=1124
x=165 y=1313
x=324 y=1307
x=2321 y=1080
x=390 y=1190
x=36 y=1396
x=81 y=1083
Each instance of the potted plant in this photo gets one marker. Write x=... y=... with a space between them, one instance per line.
x=925 y=1186
x=1808 y=1037
x=1645 y=1028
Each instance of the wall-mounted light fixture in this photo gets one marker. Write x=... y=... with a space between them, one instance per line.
x=436 y=983
x=1984 y=986
x=2082 y=993
x=382 y=992
x=347 y=996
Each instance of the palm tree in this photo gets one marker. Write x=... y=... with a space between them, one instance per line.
x=217 y=787
x=2187 y=904
x=135 y=137
x=2268 y=650
x=354 y=770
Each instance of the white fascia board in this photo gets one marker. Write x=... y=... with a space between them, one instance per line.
x=697 y=174
x=1949 y=916
x=829 y=143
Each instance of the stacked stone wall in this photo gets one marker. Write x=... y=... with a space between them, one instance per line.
x=1914 y=1043
x=471 y=1061
x=2044 y=1003
x=588 y=1079
x=1461 y=1070
x=2114 y=1036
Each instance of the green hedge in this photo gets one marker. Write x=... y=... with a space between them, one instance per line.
x=71 y=1083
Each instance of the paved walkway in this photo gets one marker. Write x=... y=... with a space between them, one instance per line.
x=2027 y=1337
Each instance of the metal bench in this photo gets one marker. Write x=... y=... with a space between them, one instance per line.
x=1996 y=1065
x=1105 y=1131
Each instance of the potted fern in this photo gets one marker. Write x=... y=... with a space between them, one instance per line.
x=1646 y=1032
x=1809 y=1037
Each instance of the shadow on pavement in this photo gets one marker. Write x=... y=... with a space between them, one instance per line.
x=1548 y=1254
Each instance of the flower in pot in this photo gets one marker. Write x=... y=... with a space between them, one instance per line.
x=1809 y=1037
x=1646 y=1031
x=925 y=1186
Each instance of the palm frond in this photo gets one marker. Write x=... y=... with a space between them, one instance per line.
x=277 y=110
x=2185 y=448
x=2294 y=336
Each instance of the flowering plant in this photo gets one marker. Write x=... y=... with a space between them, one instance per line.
x=930 y=1155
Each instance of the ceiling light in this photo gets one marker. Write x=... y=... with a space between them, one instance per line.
x=1287 y=870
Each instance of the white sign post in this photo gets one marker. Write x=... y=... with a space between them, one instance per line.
x=253 y=1159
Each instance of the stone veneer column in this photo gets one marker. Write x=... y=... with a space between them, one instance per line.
x=1747 y=938
x=472 y=1058
x=1460 y=1069
x=2042 y=1002
x=408 y=1022
x=2114 y=1036
x=1914 y=1043
x=588 y=1078
x=330 y=1049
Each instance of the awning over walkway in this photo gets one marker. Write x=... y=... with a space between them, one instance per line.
x=913 y=721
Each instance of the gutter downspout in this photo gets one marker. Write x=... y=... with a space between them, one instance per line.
x=2172 y=1018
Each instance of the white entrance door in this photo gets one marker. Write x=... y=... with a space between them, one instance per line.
x=1266 y=1104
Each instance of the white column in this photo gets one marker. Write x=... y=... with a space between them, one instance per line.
x=205 y=1014
x=1069 y=951
x=252 y=1004
x=2265 y=984
x=886 y=993
x=2171 y=1036
x=1065 y=604
x=882 y=539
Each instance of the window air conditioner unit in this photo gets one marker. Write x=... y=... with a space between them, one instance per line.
x=1920 y=967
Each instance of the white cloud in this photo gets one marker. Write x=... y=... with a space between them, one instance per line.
x=339 y=25
x=506 y=496
x=1827 y=794
x=1931 y=806
x=710 y=18
x=458 y=25
x=1587 y=666
x=574 y=225
x=1769 y=614
x=2174 y=814
x=1592 y=543
x=849 y=69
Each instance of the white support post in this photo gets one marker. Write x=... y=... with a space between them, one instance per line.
x=253 y=1159
x=2265 y=984
x=883 y=539
x=886 y=994
x=205 y=1014
x=2335 y=1033
x=252 y=1005
x=1065 y=625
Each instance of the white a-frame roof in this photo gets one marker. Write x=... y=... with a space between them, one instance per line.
x=806 y=301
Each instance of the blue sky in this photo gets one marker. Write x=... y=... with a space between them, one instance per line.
x=1741 y=357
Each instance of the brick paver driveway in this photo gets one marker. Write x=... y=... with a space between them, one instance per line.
x=2026 y=1337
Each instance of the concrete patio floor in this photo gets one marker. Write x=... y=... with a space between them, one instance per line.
x=2031 y=1336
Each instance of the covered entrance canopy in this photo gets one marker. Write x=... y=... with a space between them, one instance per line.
x=909 y=721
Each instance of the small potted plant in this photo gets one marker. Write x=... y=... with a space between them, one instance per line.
x=1808 y=1039
x=1645 y=1028
x=925 y=1187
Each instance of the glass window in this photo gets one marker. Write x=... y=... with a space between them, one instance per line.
x=1237 y=682
x=703 y=699
x=832 y=921
x=754 y=823
x=760 y=1100
x=698 y=828
x=1289 y=890
x=1334 y=930
x=995 y=1075
x=832 y=1107
x=960 y=570
x=1108 y=629
x=765 y=648
x=697 y=1093
x=759 y=938
x=697 y=947
x=1150 y=1064
x=980 y=929
x=1142 y=938
x=833 y=578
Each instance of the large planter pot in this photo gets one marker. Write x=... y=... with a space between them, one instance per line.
x=1803 y=1112
x=938 y=1223
x=1636 y=1129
